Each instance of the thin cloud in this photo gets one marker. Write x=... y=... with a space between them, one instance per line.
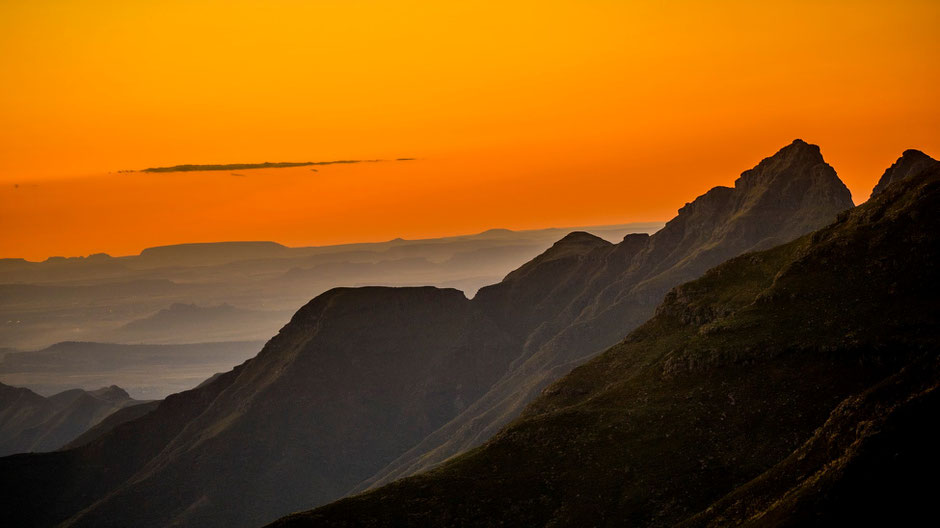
x=265 y=165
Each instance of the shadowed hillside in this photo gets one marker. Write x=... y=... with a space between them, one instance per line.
x=791 y=387
x=581 y=297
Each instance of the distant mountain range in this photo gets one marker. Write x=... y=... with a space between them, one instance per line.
x=30 y=422
x=146 y=371
x=212 y=323
x=366 y=385
x=110 y=299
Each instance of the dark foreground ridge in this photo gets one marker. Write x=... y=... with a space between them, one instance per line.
x=789 y=387
x=367 y=385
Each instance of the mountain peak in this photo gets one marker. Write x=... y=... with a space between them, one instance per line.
x=911 y=162
x=794 y=190
x=799 y=144
x=798 y=147
x=798 y=159
x=913 y=153
x=576 y=242
x=796 y=176
x=582 y=237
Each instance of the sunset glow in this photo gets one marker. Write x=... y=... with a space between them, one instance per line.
x=518 y=114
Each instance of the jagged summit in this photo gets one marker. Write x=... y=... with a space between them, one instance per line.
x=910 y=163
x=786 y=195
x=798 y=160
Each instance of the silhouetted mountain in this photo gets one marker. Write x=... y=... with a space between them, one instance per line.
x=565 y=310
x=910 y=163
x=790 y=387
x=356 y=377
x=30 y=422
x=359 y=376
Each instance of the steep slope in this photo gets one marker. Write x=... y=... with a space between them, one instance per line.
x=360 y=376
x=736 y=371
x=48 y=488
x=118 y=417
x=20 y=409
x=30 y=422
x=614 y=288
x=368 y=372
x=354 y=379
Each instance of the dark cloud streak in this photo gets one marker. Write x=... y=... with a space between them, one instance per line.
x=265 y=165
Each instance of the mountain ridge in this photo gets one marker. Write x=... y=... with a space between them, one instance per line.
x=619 y=286
x=757 y=395
x=405 y=364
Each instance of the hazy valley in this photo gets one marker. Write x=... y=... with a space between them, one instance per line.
x=222 y=301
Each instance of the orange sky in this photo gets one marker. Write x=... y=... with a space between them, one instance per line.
x=522 y=114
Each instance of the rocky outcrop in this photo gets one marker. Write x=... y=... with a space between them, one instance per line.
x=911 y=163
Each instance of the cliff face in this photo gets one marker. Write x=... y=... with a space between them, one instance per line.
x=788 y=387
